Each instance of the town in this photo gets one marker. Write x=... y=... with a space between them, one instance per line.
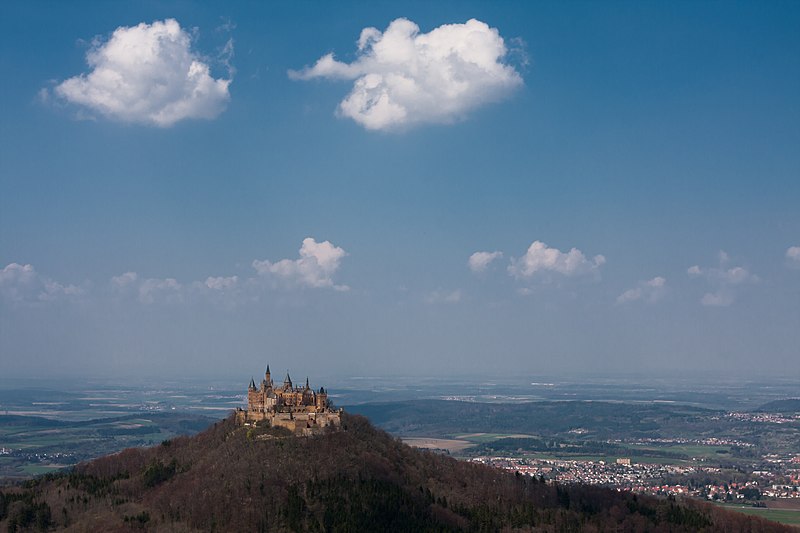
x=781 y=480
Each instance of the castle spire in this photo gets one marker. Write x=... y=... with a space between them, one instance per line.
x=307 y=387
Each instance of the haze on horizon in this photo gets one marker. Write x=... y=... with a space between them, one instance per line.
x=447 y=189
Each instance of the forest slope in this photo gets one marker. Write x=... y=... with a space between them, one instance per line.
x=231 y=478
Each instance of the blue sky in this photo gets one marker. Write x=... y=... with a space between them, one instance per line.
x=147 y=231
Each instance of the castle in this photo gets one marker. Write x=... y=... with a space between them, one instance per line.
x=301 y=410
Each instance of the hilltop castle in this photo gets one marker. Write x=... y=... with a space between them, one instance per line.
x=301 y=410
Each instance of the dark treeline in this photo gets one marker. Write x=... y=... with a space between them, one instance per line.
x=232 y=478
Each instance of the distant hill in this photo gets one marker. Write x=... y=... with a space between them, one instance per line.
x=604 y=419
x=231 y=478
x=790 y=405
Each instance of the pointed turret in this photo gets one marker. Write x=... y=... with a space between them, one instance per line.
x=307 y=387
x=252 y=384
x=268 y=376
x=287 y=381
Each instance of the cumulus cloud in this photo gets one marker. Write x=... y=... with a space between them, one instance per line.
x=648 y=291
x=147 y=74
x=153 y=289
x=793 y=255
x=444 y=297
x=723 y=280
x=318 y=262
x=221 y=283
x=404 y=77
x=480 y=261
x=542 y=258
x=21 y=283
x=124 y=280
x=170 y=290
x=315 y=267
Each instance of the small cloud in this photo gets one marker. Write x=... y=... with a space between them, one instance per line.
x=793 y=256
x=148 y=74
x=542 y=258
x=318 y=262
x=444 y=297
x=221 y=283
x=480 y=261
x=124 y=280
x=404 y=77
x=227 y=25
x=22 y=284
x=723 y=279
x=154 y=289
x=648 y=291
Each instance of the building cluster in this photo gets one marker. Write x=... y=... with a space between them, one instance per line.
x=710 y=441
x=621 y=473
x=770 y=418
x=648 y=478
x=302 y=410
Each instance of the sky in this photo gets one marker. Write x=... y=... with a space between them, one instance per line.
x=399 y=188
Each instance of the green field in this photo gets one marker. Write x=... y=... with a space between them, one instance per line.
x=678 y=454
x=480 y=438
x=35 y=470
x=38 y=443
x=784 y=516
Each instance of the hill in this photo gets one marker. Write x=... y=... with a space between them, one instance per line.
x=231 y=478
x=604 y=420
x=789 y=405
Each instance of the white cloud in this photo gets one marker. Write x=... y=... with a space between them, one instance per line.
x=793 y=255
x=542 y=258
x=315 y=268
x=723 y=280
x=124 y=280
x=169 y=290
x=480 y=261
x=153 y=289
x=649 y=291
x=147 y=74
x=221 y=283
x=404 y=77
x=444 y=297
x=21 y=283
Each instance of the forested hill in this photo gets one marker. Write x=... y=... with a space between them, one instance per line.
x=231 y=478
x=790 y=405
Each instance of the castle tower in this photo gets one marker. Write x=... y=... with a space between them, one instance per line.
x=322 y=399
x=266 y=384
x=287 y=382
x=254 y=398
